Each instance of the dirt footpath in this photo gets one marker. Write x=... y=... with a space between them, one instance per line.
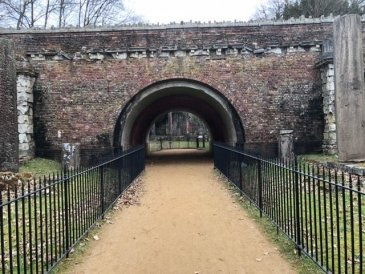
x=186 y=222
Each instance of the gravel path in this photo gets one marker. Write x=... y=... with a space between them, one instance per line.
x=186 y=222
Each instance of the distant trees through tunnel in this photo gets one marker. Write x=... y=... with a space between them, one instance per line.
x=178 y=130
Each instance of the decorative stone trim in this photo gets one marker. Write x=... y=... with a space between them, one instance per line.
x=173 y=25
x=138 y=53
x=328 y=93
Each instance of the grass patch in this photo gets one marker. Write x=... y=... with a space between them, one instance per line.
x=40 y=167
x=77 y=254
x=302 y=264
x=318 y=158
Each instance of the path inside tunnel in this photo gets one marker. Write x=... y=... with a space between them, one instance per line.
x=186 y=222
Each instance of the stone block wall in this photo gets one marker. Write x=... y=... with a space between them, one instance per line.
x=329 y=109
x=8 y=112
x=25 y=101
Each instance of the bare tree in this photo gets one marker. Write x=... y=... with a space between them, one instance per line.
x=32 y=13
x=272 y=9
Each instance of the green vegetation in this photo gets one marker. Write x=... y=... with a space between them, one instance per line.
x=318 y=158
x=40 y=167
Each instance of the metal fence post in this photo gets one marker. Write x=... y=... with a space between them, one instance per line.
x=259 y=185
x=297 y=210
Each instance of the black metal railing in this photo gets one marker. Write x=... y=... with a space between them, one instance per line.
x=42 y=220
x=178 y=142
x=320 y=209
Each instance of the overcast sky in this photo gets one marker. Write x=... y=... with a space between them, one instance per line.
x=166 y=11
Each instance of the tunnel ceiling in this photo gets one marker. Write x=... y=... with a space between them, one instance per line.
x=178 y=102
x=177 y=95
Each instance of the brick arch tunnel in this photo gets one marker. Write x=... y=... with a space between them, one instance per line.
x=208 y=104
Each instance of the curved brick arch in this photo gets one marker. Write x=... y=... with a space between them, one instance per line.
x=178 y=94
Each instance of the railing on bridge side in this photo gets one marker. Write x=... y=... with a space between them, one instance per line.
x=320 y=209
x=178 y=142
x=42 y=220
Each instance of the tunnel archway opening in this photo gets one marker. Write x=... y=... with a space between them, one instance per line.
x=136 y=118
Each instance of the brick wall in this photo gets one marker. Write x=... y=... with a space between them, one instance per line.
x=266 y=72
x=8 y=104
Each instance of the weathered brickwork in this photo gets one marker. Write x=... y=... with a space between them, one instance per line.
x=8 y=116
x=267 y=73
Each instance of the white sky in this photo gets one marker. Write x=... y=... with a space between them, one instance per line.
x=166 y=11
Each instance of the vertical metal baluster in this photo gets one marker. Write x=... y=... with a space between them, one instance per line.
x=359 y=204
x=306 y=194
x=315 y=182
x=326 y=246
x=10 y=232
x=291 y=208
x=287 y=198
x=55 y=220
x=60 y=216
x=282 y=196
x=310 y=190
x=320 y=212
x=17 y=228
x=260 y=186
x=338 y=224
x=30 y=229
x=89 y=196
x=41 y=226
x=297 y=208
x=50 y=200
x=46 y=202
x=61 y=206
x=352 y=225
x=94 y=194
x=24 y=230
x=344 y=220
x=35 y=197
x=102 y=189
x=77 y=203
x=82 y=201
x=66 y=176
x=331 y=222
x=276 y=181
x=301 y=210
x=2 y=240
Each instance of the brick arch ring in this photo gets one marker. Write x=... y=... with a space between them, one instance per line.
x=210 y=105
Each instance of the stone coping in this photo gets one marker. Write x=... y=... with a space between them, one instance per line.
x=346 y=167
x=183 y=25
